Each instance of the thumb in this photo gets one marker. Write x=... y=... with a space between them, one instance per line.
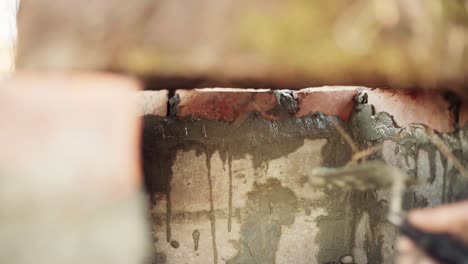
x=451 y=218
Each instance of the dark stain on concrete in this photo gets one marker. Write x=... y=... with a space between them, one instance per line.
x=196 y=239
x=159 y=258
x=415 y=138
x=168 y=209
x=457 y=184
x=337 y=230
x=303 y=180
x=420 y=201
x=264 y=140
x=175 y=244
x=267 y=140
x=212 y=210
x=369 y=128
x=336 y=235
x=230 y=190
x=269 y=207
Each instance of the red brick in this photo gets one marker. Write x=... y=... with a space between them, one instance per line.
x=153 y=102
x=407 y=107
x=330 y=100
x=64 y=135
x=224 y=104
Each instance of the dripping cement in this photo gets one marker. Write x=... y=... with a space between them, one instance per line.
x=266 y=140
x=230 y=190
x=212 y=213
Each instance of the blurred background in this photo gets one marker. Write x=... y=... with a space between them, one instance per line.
x=8 y=34
x=73 y=140
x=288 y=44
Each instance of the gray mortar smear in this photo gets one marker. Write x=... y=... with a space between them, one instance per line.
x=266 y=140
x=269 y=206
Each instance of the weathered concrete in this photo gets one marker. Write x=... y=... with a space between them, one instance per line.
x=242 y=192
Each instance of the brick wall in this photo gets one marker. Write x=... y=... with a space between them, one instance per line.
x=230 y=171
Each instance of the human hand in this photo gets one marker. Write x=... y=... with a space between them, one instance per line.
x=451 y=219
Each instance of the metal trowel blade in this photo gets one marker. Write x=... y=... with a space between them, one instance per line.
x=364 y=176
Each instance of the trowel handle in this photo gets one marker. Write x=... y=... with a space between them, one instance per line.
x=440 y=246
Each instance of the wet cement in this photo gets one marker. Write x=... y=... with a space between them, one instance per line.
x=337 y=230
x=266 y=140
x=269 y=207
x=212 y=210
x=196 y=239
x=261 y=139
x=229 y=158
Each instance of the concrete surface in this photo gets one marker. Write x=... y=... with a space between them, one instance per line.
x=243 y=191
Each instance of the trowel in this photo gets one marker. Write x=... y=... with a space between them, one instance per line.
x=377 y=174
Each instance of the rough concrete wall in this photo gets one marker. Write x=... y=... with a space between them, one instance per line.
x=229 y=173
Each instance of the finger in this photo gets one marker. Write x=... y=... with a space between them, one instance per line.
x=426 y=260
x=409 y=252
x=406 y=258
x=411 y=257
x=448 y=218
x=405 y=245
x=414 y=256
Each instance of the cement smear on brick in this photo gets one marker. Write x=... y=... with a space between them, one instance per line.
x=355 y=220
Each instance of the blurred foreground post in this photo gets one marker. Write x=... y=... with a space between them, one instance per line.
x=69 y=175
